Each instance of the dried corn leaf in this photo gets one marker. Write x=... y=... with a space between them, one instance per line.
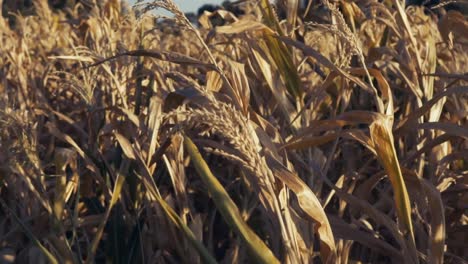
x=213 y=81
x=407 y=27
x=451 y=129
x=240 y=92
x=348 y=118
x=382 y=138
x=126 y=146
x=375 y=214
x=437 y=230
x=311 y=206
x=274 y=83
x=241 y=26
x=383 y=85
x=347 y=231
x=412 y=118
x=310 y=141
x=66 y=138
x=173 y=57
x=309 y=51
x=282 y=56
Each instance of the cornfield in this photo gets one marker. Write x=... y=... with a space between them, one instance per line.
x=334 y=132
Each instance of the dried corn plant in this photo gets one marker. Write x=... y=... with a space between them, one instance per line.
x=330 y=133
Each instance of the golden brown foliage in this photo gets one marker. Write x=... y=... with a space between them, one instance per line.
x=131 y=139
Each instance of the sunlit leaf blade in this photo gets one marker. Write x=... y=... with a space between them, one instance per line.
x=240 y=26
x=228 y=208
x=270 y=17
x=125 y=145
x=281 y=55
x=382 y=138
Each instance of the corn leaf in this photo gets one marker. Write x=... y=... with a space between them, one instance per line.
x=228 y=208
x=382 y=138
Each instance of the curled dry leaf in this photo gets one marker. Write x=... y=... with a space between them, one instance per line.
x=310 y=205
